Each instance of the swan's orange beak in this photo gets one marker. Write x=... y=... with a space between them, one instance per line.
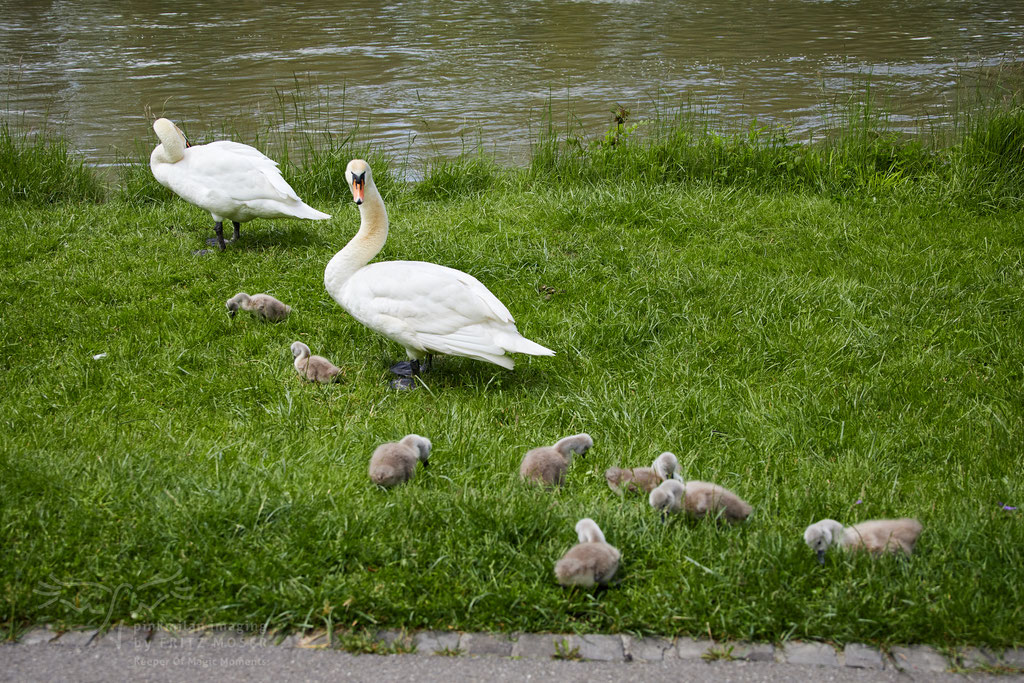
x=357 y=190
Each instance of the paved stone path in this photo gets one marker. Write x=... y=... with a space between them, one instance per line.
x=142 y=653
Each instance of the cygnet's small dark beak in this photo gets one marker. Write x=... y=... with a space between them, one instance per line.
x=231 y=313
x=664 y=517
x=425 y=463
x=821 y=557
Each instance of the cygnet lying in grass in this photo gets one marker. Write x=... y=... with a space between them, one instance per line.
x=590 y=562
x=260 y=305
x=699 y=498
x=665 y=466
x=394 y=462
x=547 y=465
x=314 y=368
x=876 y=536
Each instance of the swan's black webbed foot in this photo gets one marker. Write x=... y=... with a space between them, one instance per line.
x=406 y=368
x=403 y=383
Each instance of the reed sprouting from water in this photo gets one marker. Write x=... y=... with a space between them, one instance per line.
x=978 y=166
x=859 y=155
x=38 y=167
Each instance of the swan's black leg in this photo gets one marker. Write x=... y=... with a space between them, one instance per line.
x=219 y=239
x=238 y=227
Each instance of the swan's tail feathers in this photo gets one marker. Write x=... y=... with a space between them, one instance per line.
x=304 y=210
x=524 y=345
x=516 y=343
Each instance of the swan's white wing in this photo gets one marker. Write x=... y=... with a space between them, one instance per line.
x=433 y=308
x=439 y=299
x=239 y=172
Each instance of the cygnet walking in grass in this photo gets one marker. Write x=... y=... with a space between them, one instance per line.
x=394 y=462
x=314 y=368
x=665 y=466
x=592 y=561
x=699 y=498
x=548 y=464
x=876 y=536
x=262 y=306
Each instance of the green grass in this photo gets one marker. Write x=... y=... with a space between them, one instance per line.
x=823 y=351
x=37 y=167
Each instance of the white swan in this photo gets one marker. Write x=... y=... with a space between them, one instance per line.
x=425 y=307
x=232 y=181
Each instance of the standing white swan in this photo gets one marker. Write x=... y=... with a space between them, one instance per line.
x=232 y=181
x=425 y=307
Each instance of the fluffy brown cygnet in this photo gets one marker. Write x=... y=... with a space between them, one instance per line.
x=592 y=561
x=876 y=536
x=699 y=498
x=665 y=466
x=704 y=498
x=548 y=464
x=632 y=480
x=314 y=368
x=394 y=462
x=262 y=306
x=667 y=497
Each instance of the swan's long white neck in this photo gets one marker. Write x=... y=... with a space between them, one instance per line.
x=373 y=233
x=171 y=149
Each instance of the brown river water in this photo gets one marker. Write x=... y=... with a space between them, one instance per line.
x=427 y=79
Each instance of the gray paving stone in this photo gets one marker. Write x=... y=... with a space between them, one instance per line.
x=690 y=648
x=229 y=638
x=861 y=656
x=599 y=648
x=919 y=658
x=486 y=644
x=648 y=649
x=124 y=637
x=753 y=652
x=973 y=657
x=819 y=654
x=395 y=638
x=536 y=645
x=1013 y=658
x=165 y=640
x=38 y=636
x=75 y=638
x=289 y=641
x=432 y=642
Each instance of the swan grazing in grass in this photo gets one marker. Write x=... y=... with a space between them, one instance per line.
x=425 y=307
x=394 y=462
x=314 y=368
x=232 y=181
x=590 y=562
x=262 y=306
x=547 y=465
x=665 y=466
x=876 y=536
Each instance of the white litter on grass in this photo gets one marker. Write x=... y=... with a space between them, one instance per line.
x=99 y=355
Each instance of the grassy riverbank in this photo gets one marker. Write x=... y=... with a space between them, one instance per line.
x=826 y=343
